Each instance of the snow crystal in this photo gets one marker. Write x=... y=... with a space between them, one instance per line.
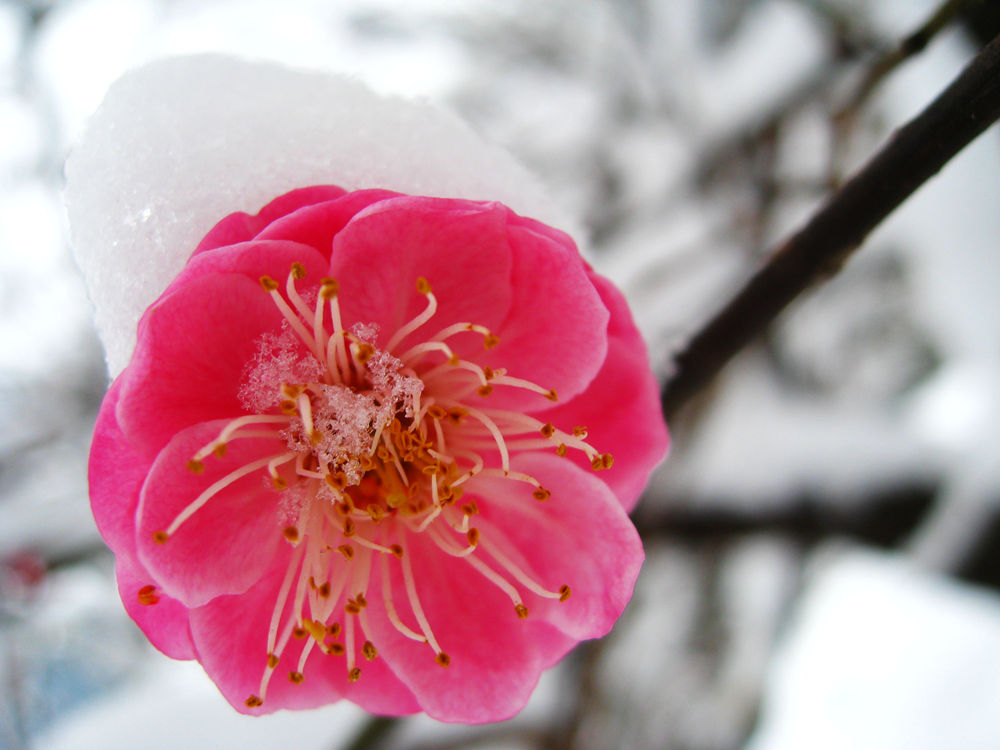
x=281 y=358
x=180 y=143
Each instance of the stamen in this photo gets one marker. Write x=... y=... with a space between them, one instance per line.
x=279 y=604
x=212 y=490
x=271 y=287
x=485 y=570
x=297 y=273
x=418 y=611
x=519 y=575
x=424 y=288
x=490 y=425
x=390 y=607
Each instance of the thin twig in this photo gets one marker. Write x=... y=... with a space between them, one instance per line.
x=910 y=46
x=913 y=154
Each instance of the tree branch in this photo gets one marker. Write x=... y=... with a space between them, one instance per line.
x=913 y=154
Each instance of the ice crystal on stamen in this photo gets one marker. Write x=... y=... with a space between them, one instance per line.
x=280 y=358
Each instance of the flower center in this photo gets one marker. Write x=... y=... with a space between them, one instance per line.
x=374 y=446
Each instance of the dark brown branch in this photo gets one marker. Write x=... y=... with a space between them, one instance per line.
x=913 y=154
x=374 y=733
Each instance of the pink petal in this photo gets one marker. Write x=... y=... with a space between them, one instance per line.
x=621 y=407
x=458 y=246
x=116 y=473
x=116 y=476
x=227 y=545
x=188 y=365
x=239 y=227
x=317 y=224
x=496 y=658
x=580 y=537
x=254 y=259
x=230 y=635
x=554 y=333
x=165 y=623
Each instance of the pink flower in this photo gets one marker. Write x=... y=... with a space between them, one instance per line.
x=363 y=450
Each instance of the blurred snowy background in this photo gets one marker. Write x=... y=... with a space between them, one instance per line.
x=824 y=542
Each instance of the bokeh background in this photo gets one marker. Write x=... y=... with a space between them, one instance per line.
x=824 y=542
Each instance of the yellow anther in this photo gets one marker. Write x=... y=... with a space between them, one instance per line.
x=354 y=674
x=348 y=528
x=335 y=649
x=268 y=283
x=472 y=535
x=541 y=494
x=333 y=629
x=291 y=534
x=352 y=607
x=296 y=677
x=423 y=286
x=490 y=341
x=336 y=480
x=596 y=463
x=369 y=650
x=365 y=352
x=396 y=550
x=548 y=429
x=289 y=408
x=291 y=391
x=195 y=466
x=561 y=450
x=298 y=270
x=315 y=437
x=219 y=450
x=376 y=512
x=470 y=509
x=488 y=373
x=551 y=395
x=253 y=701
x=431 y=469
x=442 y=659
x=346 y=550
x=564 y=592
x=272 y=660
x=437 y=412
x=580 y=431
x=453 y=360
x=329 y=288
x=485 y=390
x=360 y=599
x=607 y=460
x=521 y=611
x=316 y=629
x=298 y=632
x=324 y=589
x=279 y=483
x=161 y=537
x=147 y=595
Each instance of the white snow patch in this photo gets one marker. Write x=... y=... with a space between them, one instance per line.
x=882 y=655
x=173 y=706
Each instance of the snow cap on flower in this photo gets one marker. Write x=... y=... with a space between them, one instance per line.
x=375 y=446
x=180 y=142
